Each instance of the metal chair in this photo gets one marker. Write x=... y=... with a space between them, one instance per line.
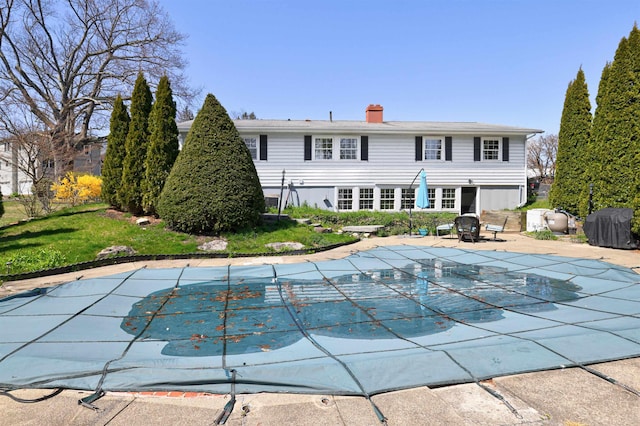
x=496 y=228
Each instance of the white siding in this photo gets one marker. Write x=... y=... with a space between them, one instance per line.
x=391 y=162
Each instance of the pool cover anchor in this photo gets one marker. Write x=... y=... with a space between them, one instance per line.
x=228 y=407
x=87 y=401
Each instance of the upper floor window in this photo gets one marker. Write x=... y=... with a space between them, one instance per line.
x=7 y=146
x=252 y=145
x=348 y=148
x=432 y=148
x=491 y=149
x=324 y=148
x=48 y=164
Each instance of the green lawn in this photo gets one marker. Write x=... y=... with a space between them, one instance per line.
x=77 y=234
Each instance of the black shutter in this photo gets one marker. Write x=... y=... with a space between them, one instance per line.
x=447 y=148
x=418 y=148
x=364 y=148
x=505 y=149
x=307 y=147
x=263 y=147
x=476 y=148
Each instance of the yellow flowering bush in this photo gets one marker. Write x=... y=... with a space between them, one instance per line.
x=76 y=189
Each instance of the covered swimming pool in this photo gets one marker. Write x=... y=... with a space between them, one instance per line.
x=384 y=319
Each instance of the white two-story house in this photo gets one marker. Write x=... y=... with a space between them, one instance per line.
x=373 y=164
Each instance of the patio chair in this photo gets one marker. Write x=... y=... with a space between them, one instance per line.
x=496 y=228
x=446 y=228
x=467 y=227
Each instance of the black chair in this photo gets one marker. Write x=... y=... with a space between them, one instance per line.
x=467 y=227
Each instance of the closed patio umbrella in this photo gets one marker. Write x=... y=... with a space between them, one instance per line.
x=422 y=200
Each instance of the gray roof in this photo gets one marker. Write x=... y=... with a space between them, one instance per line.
x=387 y=127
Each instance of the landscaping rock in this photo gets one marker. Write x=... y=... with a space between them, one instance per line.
x=285 y=246
x=143 y=221
x=115 y=251
x=214 y=245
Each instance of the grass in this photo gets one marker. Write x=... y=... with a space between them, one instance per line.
x=13 y=212
x=77 y=234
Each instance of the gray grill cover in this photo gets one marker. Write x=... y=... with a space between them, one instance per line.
x=611 y=227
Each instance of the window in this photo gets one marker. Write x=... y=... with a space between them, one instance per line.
x=387 y=198
x=366 y=198
x=7 y=146
x=432 y=148
x=348 y=149
x=324 y=148
x=448 y=198
x=48 y=164
x=490 y=149
x=252 y=145
x=408 y=198
x=87 y=149
x=345 y=199
x=431 y=194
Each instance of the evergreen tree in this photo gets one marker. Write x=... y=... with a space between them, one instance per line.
x=590 y=155
x=163 y=145
x=573 y=140
x=133 y=173
x=617 y=131
x=114 y=157
x=213 y=185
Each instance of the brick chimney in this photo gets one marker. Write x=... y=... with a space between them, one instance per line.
x=374 y=114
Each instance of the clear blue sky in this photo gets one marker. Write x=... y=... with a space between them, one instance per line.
x=494 y=61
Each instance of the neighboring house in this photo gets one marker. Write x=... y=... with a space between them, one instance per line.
x=89 y=158
x=371 y=164
x=12 y=179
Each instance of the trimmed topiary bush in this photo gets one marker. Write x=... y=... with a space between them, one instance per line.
x=213 y=185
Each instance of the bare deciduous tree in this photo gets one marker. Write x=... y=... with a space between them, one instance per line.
x=541 y=156
x=66 y=60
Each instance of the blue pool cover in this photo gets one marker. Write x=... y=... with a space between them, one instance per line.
x=385 y=319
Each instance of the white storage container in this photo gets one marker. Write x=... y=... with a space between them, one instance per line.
x=535 y=219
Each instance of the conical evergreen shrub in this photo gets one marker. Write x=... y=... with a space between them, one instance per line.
x=114 y=157
x=213 y=185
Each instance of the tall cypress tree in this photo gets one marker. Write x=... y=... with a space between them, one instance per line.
x=590 y=157
x=114 y=157
x=163 y=145
x=573 y=140
x=616 y=131
x=213 y=185
x=133 y=173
